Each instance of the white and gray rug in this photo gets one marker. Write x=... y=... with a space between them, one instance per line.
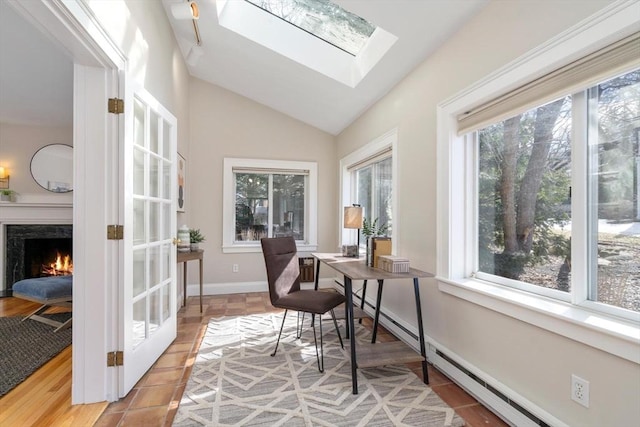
x=235 y=381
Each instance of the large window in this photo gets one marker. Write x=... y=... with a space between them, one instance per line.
x=270 y=199
x=538 y=194
x=524 y=194
x=367 y=180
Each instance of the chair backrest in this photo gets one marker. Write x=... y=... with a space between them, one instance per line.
x=283 y=270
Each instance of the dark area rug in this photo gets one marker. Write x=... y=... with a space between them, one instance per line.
x=25 y=346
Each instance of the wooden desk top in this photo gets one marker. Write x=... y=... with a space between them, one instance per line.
x=188 y=256
x=355 y=269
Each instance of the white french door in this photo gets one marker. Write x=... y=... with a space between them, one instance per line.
x=149 y=257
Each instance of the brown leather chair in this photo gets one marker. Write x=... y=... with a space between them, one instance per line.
x=283 y=275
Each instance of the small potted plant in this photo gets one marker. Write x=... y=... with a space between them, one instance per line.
x=7 y=195
x=195 y=237
x=371 y=229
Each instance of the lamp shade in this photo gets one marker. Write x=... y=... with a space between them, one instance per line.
x=353 y=216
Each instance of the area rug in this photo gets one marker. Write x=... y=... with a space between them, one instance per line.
x=25 y=346
x=236 y=382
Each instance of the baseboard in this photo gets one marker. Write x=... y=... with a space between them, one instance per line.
x=511 y=407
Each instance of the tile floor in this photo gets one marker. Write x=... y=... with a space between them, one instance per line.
x=155 y=399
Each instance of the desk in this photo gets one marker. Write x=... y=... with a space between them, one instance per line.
x=381 y=353
x=183 y=257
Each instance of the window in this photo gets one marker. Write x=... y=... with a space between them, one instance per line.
x=524 y=175
x=324 y=19
x=367 y=176
x=269 y=199
x=318 y=34
x=538 y=189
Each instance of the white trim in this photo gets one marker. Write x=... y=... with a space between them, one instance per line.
x=595 y=328
x=228 y=202
x=385 y=141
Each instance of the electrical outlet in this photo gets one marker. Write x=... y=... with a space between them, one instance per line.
x=580 y=390
x=235 y=268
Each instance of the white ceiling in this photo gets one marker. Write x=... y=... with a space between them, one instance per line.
x=36 y=77
x=251 y=70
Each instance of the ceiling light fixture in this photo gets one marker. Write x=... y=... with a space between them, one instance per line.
x=187 y=10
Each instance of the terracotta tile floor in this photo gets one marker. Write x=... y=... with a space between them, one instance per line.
x=154 y=400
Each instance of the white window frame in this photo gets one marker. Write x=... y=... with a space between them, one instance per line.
x=229 y=245
x=457 y=213
x=387 y=141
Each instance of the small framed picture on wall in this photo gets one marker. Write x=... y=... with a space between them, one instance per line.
x=182 y=181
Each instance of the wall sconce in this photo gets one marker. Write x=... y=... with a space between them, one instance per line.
x=188 y=10
x=4 y=178
x=353 y=217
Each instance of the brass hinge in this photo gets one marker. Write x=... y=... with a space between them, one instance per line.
x=116 y=106
x=115 y=358
x=115 y=232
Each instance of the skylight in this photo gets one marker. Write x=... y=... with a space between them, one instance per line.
x=323 y=19
x=315 y=33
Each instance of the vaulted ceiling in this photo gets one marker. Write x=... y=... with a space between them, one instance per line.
x=36 y=77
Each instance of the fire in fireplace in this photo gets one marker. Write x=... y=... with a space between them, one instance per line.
x=61 y=267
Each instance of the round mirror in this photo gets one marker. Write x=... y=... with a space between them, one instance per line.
x=52 y=168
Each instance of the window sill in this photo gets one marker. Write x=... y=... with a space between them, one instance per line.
x=257 y=248
x=607 y=333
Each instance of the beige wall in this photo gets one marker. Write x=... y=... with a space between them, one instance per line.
x=533 y=362
x=141 y=29
x=224 y=124
x=18 y=144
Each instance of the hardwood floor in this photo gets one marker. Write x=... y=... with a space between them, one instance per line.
x=44 y=398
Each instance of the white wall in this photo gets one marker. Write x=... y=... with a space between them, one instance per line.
x=224 y=124
x=534 y=363
x=18 y=144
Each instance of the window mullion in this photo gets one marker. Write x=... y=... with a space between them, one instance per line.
x=580 y=252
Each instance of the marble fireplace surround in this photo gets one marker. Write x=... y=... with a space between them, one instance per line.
x=34 y=210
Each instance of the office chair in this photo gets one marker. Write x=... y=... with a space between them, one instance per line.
x=283 y=276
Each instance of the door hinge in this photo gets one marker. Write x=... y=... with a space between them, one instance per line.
x=116 y=105
x=115 y=358
x=115 y=232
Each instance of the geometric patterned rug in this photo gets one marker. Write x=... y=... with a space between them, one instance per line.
x=235 y=381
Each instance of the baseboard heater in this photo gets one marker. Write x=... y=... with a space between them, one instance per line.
x=499 y=403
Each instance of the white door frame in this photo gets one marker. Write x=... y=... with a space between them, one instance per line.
x=98 y=73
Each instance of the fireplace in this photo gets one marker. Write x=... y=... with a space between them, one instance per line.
x=35 y=250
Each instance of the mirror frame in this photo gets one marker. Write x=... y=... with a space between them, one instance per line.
x=33 y=175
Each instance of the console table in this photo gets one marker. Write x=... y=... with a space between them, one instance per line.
x=375 y=354
x=183 y=257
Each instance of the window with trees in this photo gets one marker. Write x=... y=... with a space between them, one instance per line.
x=524 y=175
x=367 y=180
x=268 y=199
x=538 y=192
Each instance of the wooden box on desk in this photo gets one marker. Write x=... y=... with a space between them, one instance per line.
x=393 y=264
x=379 y=246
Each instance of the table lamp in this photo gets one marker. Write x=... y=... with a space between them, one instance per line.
x=353 y=216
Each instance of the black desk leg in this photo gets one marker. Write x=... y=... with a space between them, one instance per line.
x=184 y=281
x=377 y=315
x=364 y=294
x=348 y=289
x=423 y=350
x=315 y=285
